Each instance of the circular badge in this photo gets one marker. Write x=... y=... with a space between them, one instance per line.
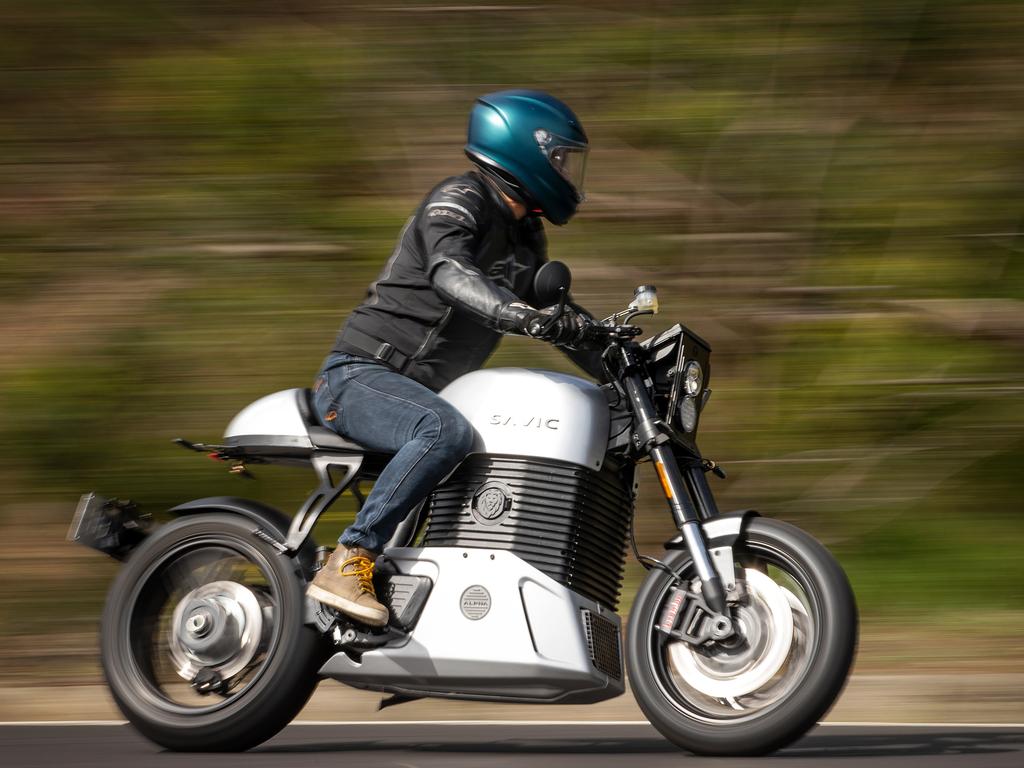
x=475 y=602
x=491 y=503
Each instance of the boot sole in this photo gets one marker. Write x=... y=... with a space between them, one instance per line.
x=365 y=615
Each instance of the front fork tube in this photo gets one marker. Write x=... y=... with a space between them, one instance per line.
x=686 y=521
x=683 y=511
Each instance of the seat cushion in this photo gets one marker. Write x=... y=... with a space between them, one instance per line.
x=321 y=437
x=329 y=440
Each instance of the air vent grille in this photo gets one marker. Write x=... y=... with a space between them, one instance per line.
x=603 y=644
x=565 y=520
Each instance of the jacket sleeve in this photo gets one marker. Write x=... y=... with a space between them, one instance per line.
x=450 y=228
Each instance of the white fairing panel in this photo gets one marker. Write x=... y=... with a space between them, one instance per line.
x=527 y=412
x=493 y=627
x=276 y=417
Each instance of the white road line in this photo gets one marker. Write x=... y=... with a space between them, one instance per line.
x=362 y=723
x=871 y=724
x=20 y=723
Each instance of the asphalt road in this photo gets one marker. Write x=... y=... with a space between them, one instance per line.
x=449 y=745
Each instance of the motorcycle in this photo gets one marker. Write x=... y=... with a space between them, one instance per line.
x=502 y=586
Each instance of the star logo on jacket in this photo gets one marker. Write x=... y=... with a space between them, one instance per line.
x=460 y=189
x=506 y=271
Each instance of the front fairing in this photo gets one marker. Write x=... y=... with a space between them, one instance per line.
x=667 y=355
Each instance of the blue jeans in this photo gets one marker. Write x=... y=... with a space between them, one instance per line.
x=387 y=412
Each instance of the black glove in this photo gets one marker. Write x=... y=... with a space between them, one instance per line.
x=567 y=331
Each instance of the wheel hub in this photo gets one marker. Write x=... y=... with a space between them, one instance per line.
x=199 y=623
x=218 y=627
x=764 y=627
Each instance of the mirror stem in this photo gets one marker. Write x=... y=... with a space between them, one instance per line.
x=562 y=297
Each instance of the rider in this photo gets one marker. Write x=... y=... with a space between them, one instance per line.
x=460 y=276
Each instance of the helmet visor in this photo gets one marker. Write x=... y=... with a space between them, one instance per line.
x=571 y=163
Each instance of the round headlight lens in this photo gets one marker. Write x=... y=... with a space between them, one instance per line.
x=693 y=378
x=688 y=414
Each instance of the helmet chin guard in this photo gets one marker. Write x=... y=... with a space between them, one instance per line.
x=532 y=146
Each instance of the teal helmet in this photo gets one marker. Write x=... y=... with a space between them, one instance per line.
x=533 y=147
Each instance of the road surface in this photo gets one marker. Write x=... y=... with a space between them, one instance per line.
x=505 y=744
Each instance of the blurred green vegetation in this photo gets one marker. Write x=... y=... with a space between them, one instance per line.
x=194 y=194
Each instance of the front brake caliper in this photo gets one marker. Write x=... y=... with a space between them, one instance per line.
x=687 y=617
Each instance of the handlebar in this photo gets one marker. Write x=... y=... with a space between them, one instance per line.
x=601 y=334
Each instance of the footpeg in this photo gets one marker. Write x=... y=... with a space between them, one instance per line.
x=352 y=639
x=347 y=635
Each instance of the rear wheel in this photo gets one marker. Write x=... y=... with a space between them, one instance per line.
x=202 y=638
x=765 y=686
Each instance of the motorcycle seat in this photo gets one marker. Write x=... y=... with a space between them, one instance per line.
x=321 y=437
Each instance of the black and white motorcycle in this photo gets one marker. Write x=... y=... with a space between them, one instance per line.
x=502 y=586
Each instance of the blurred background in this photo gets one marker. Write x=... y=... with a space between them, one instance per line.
x=193 y=195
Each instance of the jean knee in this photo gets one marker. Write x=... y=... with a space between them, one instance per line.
x=457 y=434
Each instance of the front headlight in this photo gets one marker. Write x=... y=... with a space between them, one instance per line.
x=688 y=414
x=693 y=378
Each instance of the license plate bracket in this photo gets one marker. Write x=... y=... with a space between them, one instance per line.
x=111 y=526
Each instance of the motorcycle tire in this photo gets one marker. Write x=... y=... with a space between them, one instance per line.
x=696 y=704
x=135 y=646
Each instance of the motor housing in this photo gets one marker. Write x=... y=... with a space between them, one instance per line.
x=565 y=520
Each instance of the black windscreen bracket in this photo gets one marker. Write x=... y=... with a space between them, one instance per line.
x=677 y=379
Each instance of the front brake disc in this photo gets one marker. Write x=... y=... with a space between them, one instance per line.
x=729 y=670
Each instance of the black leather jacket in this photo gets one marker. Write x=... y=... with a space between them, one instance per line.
x=458 y=278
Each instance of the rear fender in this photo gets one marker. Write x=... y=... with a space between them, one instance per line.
x=271 y=524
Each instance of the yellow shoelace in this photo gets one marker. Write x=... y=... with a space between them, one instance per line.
x=362 y=570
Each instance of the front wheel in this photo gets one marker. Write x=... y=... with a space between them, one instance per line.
x=202 y=638
x=762 y=688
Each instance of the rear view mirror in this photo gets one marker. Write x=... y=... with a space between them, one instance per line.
x=549 y=282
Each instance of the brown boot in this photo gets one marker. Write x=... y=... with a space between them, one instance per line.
x=346 y=583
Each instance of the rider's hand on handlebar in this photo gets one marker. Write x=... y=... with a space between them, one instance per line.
x=567 y=330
